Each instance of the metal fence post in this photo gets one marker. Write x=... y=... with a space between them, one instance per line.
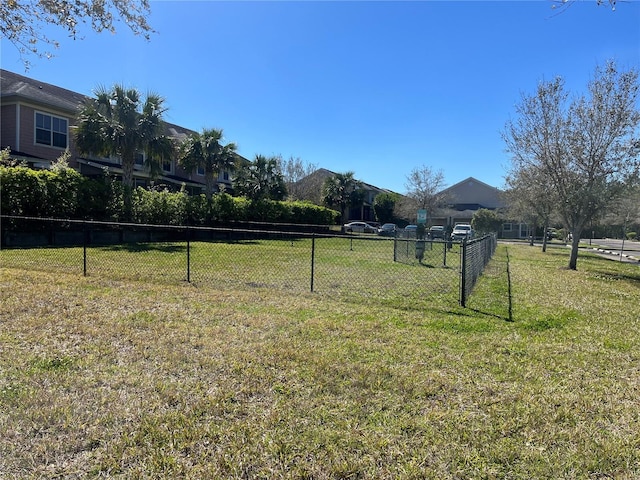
x=463 y=267
x=313 y=257
x=395 y=249
x=444 y=249
x=84 y=248
x=188 y=255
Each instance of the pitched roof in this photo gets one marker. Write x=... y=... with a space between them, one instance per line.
x=19 y=86
x=323 y=173
x=472 y=191
x=466 y=182
x=16 y=86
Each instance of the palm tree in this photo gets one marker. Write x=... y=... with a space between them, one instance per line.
x=117 y=122
x=203 y=150
x=341 y=191
x=262 y=180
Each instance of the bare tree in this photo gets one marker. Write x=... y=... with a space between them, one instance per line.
x=583 y=149
x=294 y=170
x=423 y=189
x=531 y=199
x=22 y=21
x=625 y=212
x=561 y=5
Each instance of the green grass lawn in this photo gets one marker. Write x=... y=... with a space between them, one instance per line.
x=361 y=268
x=538 y=378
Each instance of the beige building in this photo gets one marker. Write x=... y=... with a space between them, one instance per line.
x=464 y=198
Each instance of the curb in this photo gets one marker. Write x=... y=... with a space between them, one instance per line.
x=617 y=254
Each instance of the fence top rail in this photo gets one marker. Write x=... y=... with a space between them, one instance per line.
x=480 y=239
x=239 y=230
x=174 y=227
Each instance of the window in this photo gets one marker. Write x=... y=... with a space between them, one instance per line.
x=139 y=163
x=200 y=171
x=166 y=166
x=51 y=130
x=524 y=230
x=139 y=182
x=506 y=227
x=225 y=176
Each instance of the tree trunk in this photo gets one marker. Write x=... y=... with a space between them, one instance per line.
x=532 y=234
x=210 y=183
x=575 y=241
x=127 y=172
x=544 y=236
x=127 y=183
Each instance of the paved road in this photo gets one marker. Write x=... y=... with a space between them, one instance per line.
x=630 y=251
x=609 y=248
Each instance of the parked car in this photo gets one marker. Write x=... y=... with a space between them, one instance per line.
x=410 y=231
x=388 y=229
x=360 y=227
x=436 y=231
x=462 y=231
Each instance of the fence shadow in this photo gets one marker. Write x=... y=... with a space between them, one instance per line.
x=498 y=276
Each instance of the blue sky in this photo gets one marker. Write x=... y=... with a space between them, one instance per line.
x=377 y=88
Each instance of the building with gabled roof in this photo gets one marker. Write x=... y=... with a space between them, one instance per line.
x=472 y=194
x=36 y=124
x=463 y=199
x=312 y=186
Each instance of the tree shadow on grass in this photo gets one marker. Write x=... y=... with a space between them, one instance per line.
x=227 y=241
x=145 y=247
x=632 y=279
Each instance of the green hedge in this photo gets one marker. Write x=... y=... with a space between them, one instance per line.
x=58 y=193
x=166 y=208
x=64 y=193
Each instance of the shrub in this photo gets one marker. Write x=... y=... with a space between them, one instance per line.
x=225 y=208
x=100 y=199
x=22 y=192
x=198 y=210
x=269 y=211
x=61 y=192
x=62 y=185
x=159 y=207
x=631 y=235
x=309 y=213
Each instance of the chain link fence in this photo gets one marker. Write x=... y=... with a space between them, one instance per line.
x=394 y=271
x=475 y=256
